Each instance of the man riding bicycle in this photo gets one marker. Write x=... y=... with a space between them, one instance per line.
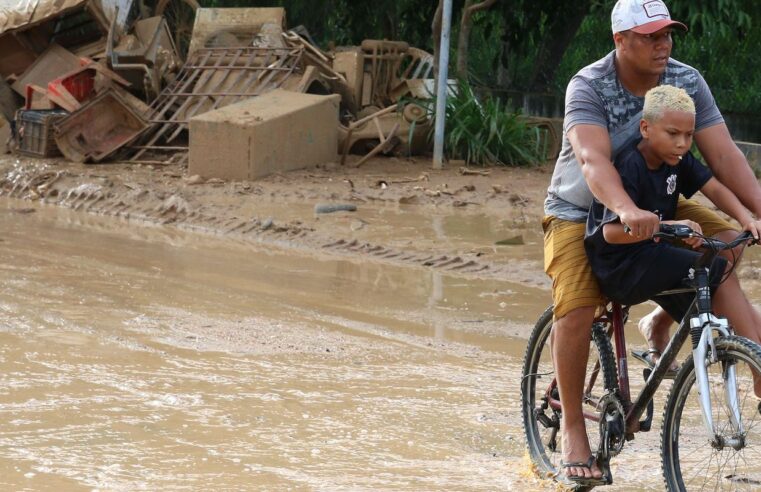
x=602 y=114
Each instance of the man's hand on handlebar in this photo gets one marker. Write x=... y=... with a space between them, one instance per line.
x=641 y=224
x=693 y=242
x=754 y=227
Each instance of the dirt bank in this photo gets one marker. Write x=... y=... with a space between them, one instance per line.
x=285 y=209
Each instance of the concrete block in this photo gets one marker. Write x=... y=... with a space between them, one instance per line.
x=278 y=131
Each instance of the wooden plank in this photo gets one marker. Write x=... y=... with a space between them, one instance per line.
x=51 y=64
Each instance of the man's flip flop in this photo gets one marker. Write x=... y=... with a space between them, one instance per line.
x=646 y=356
x=586 y=481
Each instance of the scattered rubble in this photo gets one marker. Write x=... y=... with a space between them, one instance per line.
x=116 y=87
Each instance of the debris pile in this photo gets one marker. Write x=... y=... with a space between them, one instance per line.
x=100 y=80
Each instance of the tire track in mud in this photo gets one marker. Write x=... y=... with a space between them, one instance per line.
x=111 y=196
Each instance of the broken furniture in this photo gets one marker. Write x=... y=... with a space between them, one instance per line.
x=238 y=28
x=387 y=65
x=51 y=63
x=386 y=140
x=9 y=101
x=67 y=90
x=323 y=62
x=35 y=132
x=383 y=61
x=151 y=58
x=381 y=77
x=278 y=131
x=5 y=135
x=28 y=28
x=350 y=63
x=98 y=129
x=43 y=39
x=70 y=90
x=212 y=78
x=400 y=129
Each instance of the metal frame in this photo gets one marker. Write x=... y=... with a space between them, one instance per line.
x=211 y=79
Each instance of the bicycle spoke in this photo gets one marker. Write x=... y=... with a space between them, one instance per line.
x=728 y=460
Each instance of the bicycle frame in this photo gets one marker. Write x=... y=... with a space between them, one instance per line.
x=699 y=323
x=635 y=409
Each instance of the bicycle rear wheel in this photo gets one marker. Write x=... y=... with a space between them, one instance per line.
x=541 y=422
x=694 y=460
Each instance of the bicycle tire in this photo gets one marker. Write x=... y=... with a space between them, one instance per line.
x=685 y=446
x=546 y=459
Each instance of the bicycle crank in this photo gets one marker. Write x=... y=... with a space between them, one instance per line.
x=552 y=423
x=612 y=426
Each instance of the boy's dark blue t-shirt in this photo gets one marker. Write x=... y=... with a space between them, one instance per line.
x=654 y=190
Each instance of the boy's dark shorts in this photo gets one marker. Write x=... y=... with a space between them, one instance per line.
x=565 y=260
x=667 y=271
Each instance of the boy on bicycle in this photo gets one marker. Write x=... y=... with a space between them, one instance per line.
x=655 y=171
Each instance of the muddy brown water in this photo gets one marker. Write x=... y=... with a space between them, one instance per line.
x=136 y=357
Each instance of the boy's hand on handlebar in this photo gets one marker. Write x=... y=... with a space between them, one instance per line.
x=692 y=242
x=640 y=223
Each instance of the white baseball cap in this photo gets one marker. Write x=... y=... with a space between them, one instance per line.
x=641 y=16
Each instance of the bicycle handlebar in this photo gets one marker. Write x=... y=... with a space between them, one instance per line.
x=681 y=231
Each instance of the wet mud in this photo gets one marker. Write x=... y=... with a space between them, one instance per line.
x=144 y=360
x=154 y=343
x=280 y=210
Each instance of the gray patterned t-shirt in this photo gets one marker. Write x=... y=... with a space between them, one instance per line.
x=595 y=96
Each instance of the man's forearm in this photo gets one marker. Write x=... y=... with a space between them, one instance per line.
x=591 y=144
x=605 y=184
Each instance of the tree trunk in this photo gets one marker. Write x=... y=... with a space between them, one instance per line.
x=555 y=43
x=502 y=68
x=466 y=26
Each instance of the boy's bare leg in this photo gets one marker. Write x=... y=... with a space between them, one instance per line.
x=655 y=328
x=570 y=351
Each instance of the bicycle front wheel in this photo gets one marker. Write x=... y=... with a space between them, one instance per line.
x=731 y=460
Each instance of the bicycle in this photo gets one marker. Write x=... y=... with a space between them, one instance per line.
x=707 y=439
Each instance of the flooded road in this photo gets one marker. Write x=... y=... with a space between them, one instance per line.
x=135 y=357
x=142 y=358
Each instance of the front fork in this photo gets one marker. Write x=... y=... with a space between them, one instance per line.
x=703 y=354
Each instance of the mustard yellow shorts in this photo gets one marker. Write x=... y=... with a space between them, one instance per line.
x=565 y=260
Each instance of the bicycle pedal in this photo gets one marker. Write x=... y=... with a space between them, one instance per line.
x=645 y=425
x=544 y=420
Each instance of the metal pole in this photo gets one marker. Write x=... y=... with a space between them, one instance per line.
x=441 y=89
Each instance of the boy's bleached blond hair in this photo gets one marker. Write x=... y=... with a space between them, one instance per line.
x=664 y=98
